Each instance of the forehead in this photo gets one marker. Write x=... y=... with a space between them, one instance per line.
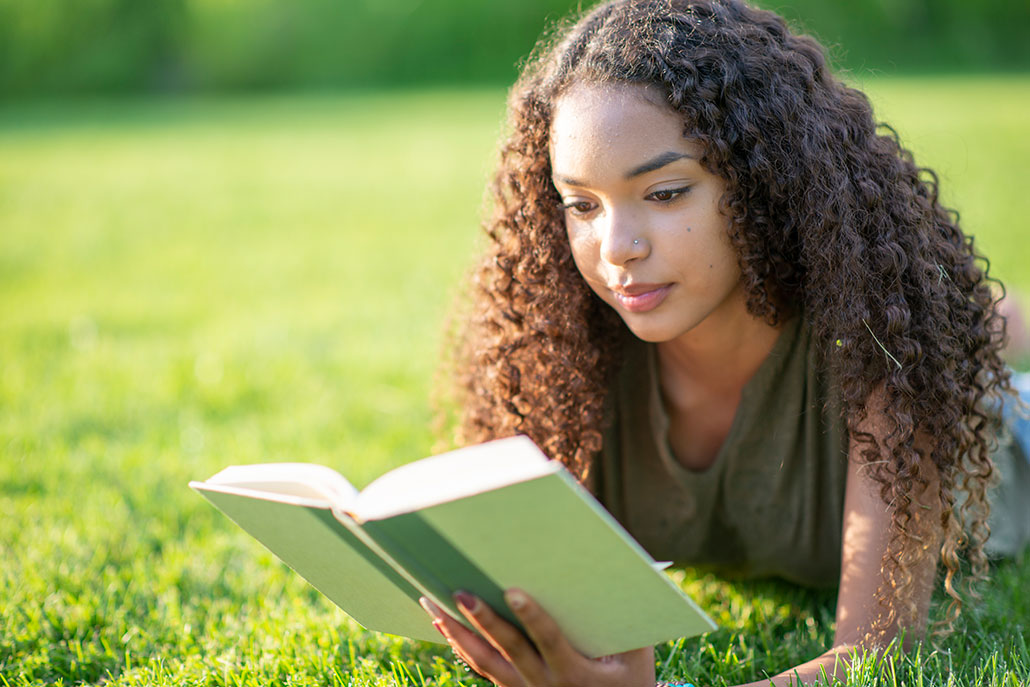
x=607 y=125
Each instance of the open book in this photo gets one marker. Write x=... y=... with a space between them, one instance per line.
x=482 y=519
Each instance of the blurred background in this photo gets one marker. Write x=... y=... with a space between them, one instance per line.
x=232 y=232
x=179 y=46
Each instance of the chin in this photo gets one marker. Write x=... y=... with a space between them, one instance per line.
x=659 y=327
x=652 y=334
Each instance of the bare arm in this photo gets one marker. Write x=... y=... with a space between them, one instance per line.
x=865 y=533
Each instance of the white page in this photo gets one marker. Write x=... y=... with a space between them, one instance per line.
x=303 y=480
x=450 y=476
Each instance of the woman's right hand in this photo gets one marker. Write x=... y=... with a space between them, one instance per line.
x=502 y=654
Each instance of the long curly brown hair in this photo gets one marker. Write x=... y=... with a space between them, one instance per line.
x=830 y=217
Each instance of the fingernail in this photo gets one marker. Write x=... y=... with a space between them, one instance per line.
x=469 y=602
x=429 y=607
x=516 y=599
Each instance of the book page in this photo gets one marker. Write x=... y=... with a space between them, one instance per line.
x=304 y=480
x=451 y=476
x=311 y=540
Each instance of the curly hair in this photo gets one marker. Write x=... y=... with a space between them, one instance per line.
x=830 y=217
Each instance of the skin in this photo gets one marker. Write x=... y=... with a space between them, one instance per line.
x=646 y=232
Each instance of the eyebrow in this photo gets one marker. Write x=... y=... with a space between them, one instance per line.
x=657 y=162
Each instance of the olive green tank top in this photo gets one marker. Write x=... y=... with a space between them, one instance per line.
x=772 y=502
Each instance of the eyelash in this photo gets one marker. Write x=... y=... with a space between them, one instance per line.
x=573 y=207
x=673 y=193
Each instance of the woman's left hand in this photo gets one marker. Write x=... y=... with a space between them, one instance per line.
x=504 y=655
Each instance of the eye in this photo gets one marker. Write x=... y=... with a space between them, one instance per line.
x=579 y=207
x=667 y=194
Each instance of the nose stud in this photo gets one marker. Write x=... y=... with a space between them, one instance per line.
x=636 y=242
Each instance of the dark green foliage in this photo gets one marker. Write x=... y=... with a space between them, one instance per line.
x=47 y=46
x=921 y=35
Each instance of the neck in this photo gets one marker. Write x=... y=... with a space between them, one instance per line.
x=720 y=355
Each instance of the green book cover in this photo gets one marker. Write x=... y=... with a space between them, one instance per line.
x=484 y=519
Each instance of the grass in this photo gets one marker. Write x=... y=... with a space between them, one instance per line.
x=188 y=284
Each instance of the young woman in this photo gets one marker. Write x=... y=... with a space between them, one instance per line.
x=734 y=306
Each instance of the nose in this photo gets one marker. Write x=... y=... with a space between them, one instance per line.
x=622 y=238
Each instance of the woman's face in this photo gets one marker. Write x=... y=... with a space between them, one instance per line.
x=641 y=212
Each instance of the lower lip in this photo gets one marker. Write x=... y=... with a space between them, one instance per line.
x=644 y=302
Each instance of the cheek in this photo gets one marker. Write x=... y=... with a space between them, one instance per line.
x=584 y=247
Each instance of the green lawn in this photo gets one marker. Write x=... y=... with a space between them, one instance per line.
x=185 y=285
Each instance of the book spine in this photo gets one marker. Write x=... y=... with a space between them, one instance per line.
x=393 y=556
x=429 y=557
x=371 y=556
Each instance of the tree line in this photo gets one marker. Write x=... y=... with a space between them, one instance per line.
x=97 y=46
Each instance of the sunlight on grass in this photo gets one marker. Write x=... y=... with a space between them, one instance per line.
x=973 y=132
x=186 y=285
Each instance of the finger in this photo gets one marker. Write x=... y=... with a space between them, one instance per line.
x=637 y=662
x=431 y=608
x=550 y=641
x=478 y=653
x=504 y=637
x=473 y=649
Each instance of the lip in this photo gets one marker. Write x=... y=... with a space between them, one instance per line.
x=640 y=298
